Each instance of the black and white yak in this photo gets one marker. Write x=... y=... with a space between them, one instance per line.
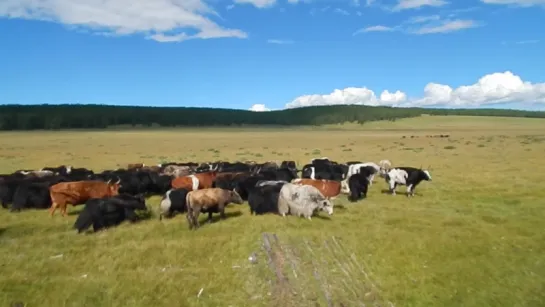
x=407 y=176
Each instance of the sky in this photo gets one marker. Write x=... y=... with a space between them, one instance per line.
x=265 y=55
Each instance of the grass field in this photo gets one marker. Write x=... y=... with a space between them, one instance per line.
x=474 y=236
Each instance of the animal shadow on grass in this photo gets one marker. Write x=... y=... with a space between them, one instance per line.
x=216 y=217
x=74 y=211
x=321 y=216
x=2 y=230
x=141 y=216
x=339 y=207
x=386 y=191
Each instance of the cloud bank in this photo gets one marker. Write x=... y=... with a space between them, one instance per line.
x=496 y=88
x=160 y=20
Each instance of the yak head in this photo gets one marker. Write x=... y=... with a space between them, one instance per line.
x=426 y=173
x=323 y=203
x=235 y=197
x=113 y=187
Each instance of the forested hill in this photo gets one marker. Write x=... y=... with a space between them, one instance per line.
x=20 y=117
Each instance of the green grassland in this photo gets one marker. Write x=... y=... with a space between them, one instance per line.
x=474 y=236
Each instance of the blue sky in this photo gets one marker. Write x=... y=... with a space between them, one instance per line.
x=274 y=54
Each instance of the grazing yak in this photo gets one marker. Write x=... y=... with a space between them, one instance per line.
x=408 y=176
x=173 y=201
x=385 y=166
x=208 y=200
x=78 y=192
x=34 y=193
x=357 y=186
x=264 y=197
x=328 y=188
x=109 y=211
x=194 y=182
x=302 y=200
x=369 y=168
x=326 y=171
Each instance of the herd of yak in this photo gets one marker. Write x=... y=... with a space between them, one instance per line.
x=113 y=196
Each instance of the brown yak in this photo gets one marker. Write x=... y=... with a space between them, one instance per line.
x=328 y=188
x=195 y=181
x=208 y=200
x=78 y=192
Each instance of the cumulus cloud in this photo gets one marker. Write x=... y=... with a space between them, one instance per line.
x=161 y=20
x=259 y=108
x=495 y=88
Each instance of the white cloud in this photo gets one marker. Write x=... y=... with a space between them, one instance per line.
x=413 y=4
x=446 y=27
x=532 y=41
x=259 y=108
x=162 y=20
x=524 y=3
x=378 y=28
x=495 y=88
x=341 y=11
x=423 y=19
x=279 y=41
x=258 y=3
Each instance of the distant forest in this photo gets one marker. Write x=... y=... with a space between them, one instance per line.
x=51 y=117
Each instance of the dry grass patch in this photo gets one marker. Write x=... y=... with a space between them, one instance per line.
x=472 y=237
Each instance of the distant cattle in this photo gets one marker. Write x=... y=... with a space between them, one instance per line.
x=78 y=192
x=229 y=181
x=264 y=198
x=291 y=165
x=322 y=161
x=134 y=166
x=328 y=188
x=34 y=193
x=208 y=200
x=358 y=185
x=195 y=181
x=60 y=170
x=40 y=173
x=408 y=176
x=173 y=201
x=109 y=211
x=178 y=170
x=302 y=200
x=245 y=185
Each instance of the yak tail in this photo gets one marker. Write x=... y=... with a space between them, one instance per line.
x=189 y=209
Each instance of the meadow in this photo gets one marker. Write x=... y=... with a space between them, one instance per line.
x=474 y=236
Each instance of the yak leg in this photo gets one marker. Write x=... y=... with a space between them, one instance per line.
x=410 y=191
x=209 y=217
x=189 y=218
x=53 y=208
x=222 y=211
x=196 y=213
x=64 y=208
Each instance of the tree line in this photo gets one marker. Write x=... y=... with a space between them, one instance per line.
x=52 y=117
